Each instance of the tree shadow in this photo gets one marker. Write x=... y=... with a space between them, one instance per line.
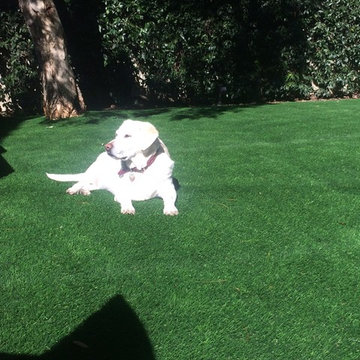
x=174 y=113
x=210 y=112
x=114 y=332
x=195 y=113
x=152 y=111
x=179 y=113
x=90 y=117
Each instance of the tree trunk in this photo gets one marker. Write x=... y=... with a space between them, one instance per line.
x=61 y=95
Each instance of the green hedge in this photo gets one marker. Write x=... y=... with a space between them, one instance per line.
x=209 y=50
x=19 y=88
x=333 y=54
x=258 y=50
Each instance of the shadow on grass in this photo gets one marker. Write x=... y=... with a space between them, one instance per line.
x=5 y=167
x=211 y=112
x=89 y=117
x=114 y=332
x=7 y=125
x=174 y=114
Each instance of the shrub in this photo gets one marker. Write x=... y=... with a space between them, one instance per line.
x=205 y=51
x=256 y=49
x=19 y=81
x=189 y=50
x=333 y=52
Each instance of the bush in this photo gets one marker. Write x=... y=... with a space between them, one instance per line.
x=257 y=50
x=19 y=88
x=205 y=51
x=333 y=52
x=190 y=50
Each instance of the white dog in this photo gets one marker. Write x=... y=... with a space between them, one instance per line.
x=135 y=166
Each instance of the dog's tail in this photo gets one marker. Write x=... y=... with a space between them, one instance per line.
x=65 y=177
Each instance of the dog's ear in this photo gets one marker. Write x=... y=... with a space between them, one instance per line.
x=148 y=135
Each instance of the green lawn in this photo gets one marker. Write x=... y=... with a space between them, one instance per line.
x=263 y=261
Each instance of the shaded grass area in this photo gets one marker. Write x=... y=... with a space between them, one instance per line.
x=261 y=263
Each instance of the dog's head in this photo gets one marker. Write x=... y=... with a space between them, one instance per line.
x=132 y=138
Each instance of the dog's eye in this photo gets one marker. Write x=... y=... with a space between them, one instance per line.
x=127 y=136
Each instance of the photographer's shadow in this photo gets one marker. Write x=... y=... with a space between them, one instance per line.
x=5 y=168
x=114 y=332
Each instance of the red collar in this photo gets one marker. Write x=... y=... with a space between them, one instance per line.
x=125 y=169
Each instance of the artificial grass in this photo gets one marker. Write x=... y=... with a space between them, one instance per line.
x=261 y=263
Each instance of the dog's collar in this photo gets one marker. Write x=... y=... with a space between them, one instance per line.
x=125 y=169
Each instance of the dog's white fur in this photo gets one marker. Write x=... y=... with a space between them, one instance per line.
x=134 y=147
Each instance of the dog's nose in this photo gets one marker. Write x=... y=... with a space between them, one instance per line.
x=108 y=146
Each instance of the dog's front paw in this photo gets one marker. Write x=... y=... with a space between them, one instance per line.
x=125 y=204
x=72 y=191
x=171 y=211
x=75 y=190
x=85 y=192
x=128 y=210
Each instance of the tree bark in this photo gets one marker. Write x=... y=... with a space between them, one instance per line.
x=62 y=97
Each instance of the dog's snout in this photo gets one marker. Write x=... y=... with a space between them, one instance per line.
x=108 y=146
